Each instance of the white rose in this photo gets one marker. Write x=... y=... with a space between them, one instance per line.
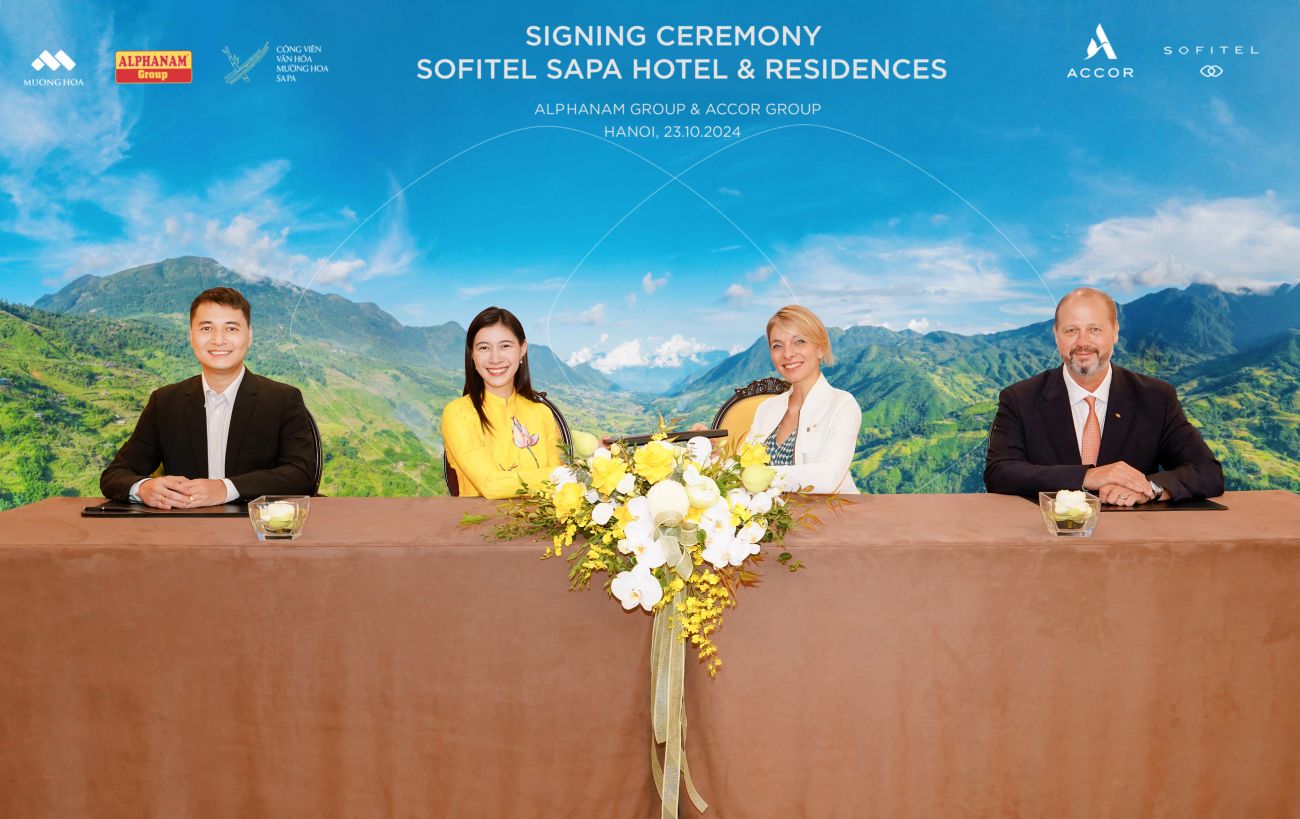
x=703 y=493
x=668 y=498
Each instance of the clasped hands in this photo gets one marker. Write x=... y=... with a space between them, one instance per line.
x=176 y=492
x=1118 y=484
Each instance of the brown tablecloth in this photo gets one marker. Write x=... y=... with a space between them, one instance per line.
x=940 y=656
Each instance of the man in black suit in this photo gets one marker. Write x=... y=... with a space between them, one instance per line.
x=221 y=436
x=1096 y=426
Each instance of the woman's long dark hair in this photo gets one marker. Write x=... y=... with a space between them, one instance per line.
x=474 y=386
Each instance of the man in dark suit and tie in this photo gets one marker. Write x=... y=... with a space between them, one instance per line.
x=1093 y=425
x=221 y=436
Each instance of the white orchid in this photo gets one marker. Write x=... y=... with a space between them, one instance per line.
x=626 y=484
x=760 y=504
x=601 y=513
x=592 y=496
x=718 y=542
x=562 y=475
x=699 y=449
x=637 y=587
x=746 y=542
x=638 y=533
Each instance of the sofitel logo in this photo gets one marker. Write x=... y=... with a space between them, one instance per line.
x=1099 y=43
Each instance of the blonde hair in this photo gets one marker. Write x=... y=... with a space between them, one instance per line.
x=805 y=323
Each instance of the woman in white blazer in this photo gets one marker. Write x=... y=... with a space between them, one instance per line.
x=812 y=429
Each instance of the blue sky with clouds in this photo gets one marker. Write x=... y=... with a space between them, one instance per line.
x=964 y=204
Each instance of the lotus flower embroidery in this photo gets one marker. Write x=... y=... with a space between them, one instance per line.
x=524 y=439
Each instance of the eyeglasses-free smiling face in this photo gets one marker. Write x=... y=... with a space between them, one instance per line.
x=795 y=357
x=220 y=337
x=1085 y=335
x=497 y=353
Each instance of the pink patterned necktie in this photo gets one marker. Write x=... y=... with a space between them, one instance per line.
x=1091 y=434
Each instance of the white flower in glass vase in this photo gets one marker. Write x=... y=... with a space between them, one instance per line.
x=637 y=587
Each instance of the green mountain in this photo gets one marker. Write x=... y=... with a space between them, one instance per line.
x=928 y=400
x=76 y=368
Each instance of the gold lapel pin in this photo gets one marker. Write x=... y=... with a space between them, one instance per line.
x=1117 y=415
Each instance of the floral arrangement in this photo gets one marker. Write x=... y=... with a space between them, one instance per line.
x=668 y=524
x=675 y=529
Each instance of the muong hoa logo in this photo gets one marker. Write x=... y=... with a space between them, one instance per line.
x=53 y=62
x=1099 y=43
x=241 y=69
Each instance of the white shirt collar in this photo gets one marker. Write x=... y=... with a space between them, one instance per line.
x=230 y=391
x=1077 y=393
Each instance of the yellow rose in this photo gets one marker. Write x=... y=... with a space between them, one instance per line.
x=757 y=477
x=567 y=499
x=654 y=461
x=606 y=473
x=753 y=454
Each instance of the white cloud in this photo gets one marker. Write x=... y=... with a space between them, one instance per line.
x=760 y=274
x=729 y=192
x=851 y=280
x=627 y=354
x=676 y=350
x=1231 y=242
x=595 y=314
x=545 y=285
x=650 y=284
x=631 y=299
x=671 y=353
x=921 y=325
x=737 y=292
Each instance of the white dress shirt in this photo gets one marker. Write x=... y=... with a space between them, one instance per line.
x=218 y=407
x=1079 y=406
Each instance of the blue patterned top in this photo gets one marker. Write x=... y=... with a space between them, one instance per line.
x=781 y=454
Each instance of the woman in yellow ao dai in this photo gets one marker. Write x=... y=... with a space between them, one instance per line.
x=498 y=438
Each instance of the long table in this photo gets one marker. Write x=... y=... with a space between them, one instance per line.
x=939 y=656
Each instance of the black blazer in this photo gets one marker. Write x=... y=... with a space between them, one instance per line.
x=1033 y=448
x=271 y=449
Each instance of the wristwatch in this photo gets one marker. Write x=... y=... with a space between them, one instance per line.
x=1156 y=490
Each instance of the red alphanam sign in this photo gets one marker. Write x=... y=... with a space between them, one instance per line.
x=154 y=66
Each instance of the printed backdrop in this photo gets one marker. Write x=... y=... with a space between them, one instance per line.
x=643 y=189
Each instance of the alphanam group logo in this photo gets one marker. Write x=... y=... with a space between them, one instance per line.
x=154 y=66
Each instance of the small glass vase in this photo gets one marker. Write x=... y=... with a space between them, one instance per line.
x=1070 y=524
x=279 y=517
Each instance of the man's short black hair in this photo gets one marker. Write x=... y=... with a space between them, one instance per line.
x=226 y=297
